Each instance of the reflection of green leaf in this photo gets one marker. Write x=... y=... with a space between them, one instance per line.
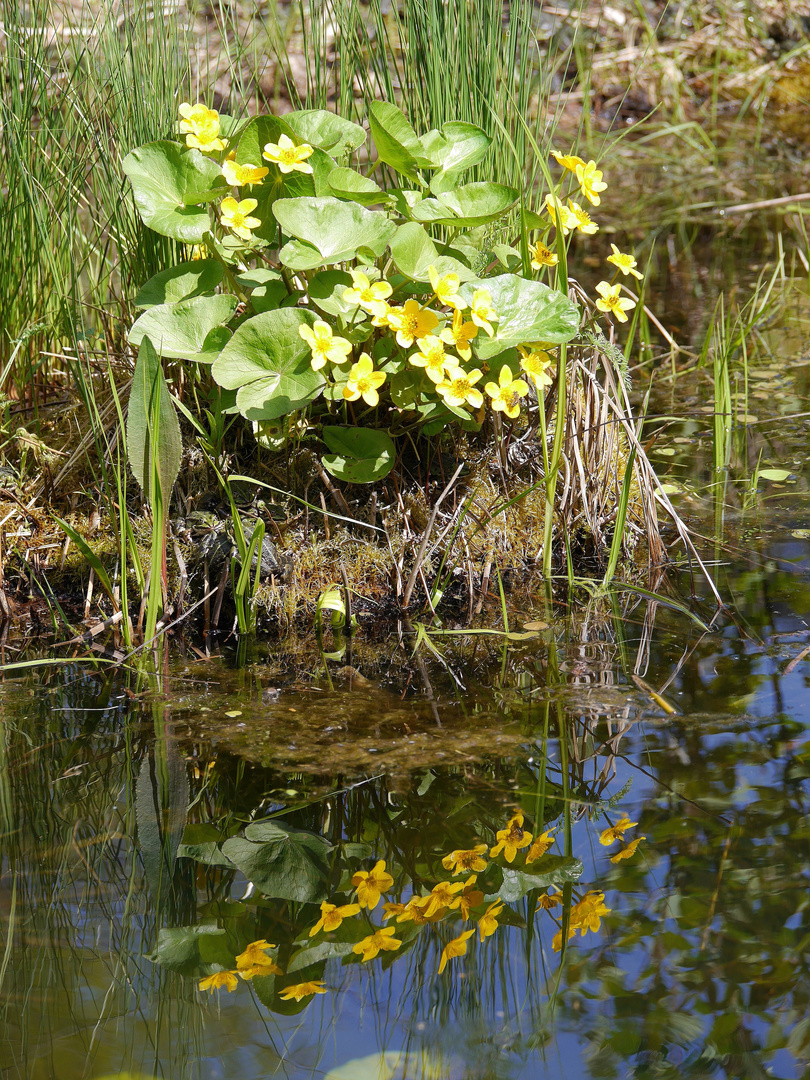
x=281 y=861
x=161 y=174
x=186 y=948
x=359 y=455
x=551 y=870
x=528 y=311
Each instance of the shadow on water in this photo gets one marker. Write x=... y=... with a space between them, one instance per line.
x=154 y=828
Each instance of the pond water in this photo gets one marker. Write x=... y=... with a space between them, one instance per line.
x=159 y=829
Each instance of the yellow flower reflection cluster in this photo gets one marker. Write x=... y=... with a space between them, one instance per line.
x=444 y=907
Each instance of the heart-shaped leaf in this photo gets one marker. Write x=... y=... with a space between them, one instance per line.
x=396 y=141
x=281 y=861
x=464 y=146
x=268 y=364
x=551 y=870
x=359 y=455
x=528 y=311
x=181 y=329
x=162 y=174
x=348 y=184
x=468 y=206
x=414 y=253
x=180 y=282
x=337 y=230
x=326 y=130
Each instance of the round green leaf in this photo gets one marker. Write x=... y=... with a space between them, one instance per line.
x=162 y=174
x=326 y=292
x=281 y=861
x=348 y=184
x=268 y=364
x=337 y=230
x=467 y=206
x=182 y=329
x=180 y=282
x=414 y=253
x=464 y=146
x=359 y=455
x=326 y=130
x=396 y=141
x=528 y=311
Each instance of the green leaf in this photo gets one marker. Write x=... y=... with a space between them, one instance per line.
x=326 y=292
x=468 y=206
x=161 y=808
x=528 y=311
x=413 y=252
x=326 y=130
x=348 y=184
x=268 y=363
x=464 y=146
x=776 y=475
x=359 y=455
x=268 y=290
x=396 y=141
x=281 y=861
x=150 y=395
x=181 y=329
x=162 y=174
x=335 y=229
x=88 y=554
x=551 y=870
x=180 y=282
x=180 y=948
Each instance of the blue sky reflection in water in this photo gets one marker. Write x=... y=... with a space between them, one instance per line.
x=699 y=970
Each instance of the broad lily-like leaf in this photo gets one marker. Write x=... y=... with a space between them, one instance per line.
x=162 y=174
x=281 y=861
x=348 y=184
x=180 y=282
x=181 y=330
x=396 y=141
x=414 y=253
x=359 y=455
x=467 y=206
x=326 y=130
x=528 y=311
x=334 y=229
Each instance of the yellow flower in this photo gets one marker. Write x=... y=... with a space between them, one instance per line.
x=542 y=256
x=556 y=942
x=511 y=839
x=626 y=263
x=625 y=853
x=568 y=161
x=536 y=363
x=456 y=947
x=615 y=832
x=548 y=900
x=288 y=156
x=364 y=382
x=323 y=345
x=383 y=319
x=201 y=127
x=235 y=216
x=488 y=923
x=380 y=939
x=465 y=859
x=431 y=357
x=540 y=846
x=587 y=914
x=413 y=912
x=470 y=897
x=441 y=896
x=254 y=955
x=370 y=298
x=590 y=182
x=507 y=393
x=370 y=883
x=446 y=289
x=460 y=334
x=301 y=990
x=567 y=219
x=458 y=388
x=582 y=219
x=391 y=908
x=213 y=982
x=612 y=300
x=411 y=322
x=332 y=916
x=481 y=311
x=243 y=175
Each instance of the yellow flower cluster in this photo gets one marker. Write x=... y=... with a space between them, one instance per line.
x=616 y=832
